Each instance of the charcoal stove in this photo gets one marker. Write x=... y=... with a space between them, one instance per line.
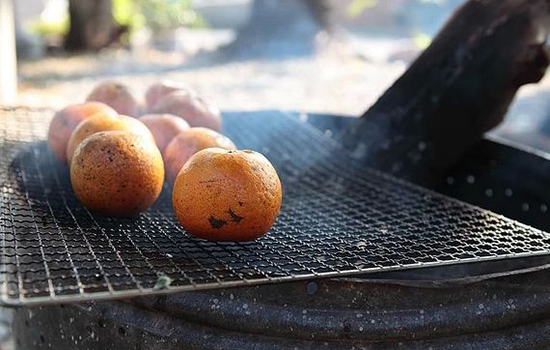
x=357 y=259
x=420 y=270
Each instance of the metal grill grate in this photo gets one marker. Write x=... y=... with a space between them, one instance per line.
x=337 y=219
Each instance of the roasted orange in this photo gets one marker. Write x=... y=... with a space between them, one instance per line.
x=117 y=173
x=225 y=195
x=105 y=122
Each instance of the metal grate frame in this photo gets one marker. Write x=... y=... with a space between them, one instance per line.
x=338 y=219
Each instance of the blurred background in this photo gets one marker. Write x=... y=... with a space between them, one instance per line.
x=327 y=56
x=324 y=56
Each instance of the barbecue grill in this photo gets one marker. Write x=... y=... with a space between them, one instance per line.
x=338 y=219
x=376 y=237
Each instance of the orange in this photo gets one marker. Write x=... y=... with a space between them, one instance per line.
x=105 y=122
x=116 y=95
x=226 y=195
x=162 y=88
x=194 y=110
x=189 y=142
x=66 y=120
x=164 y=127
x=117 y=173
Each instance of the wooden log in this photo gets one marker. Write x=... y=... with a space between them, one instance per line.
x=8 y=61
x=459 y=88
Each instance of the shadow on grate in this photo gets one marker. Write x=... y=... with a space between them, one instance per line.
x=337 y=219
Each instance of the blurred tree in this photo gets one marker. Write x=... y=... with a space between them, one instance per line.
x=95 y=24
x=92 y=25
x=279 y=28
x=160 y=15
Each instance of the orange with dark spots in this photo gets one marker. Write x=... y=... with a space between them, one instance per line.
x=105 y=122
x=225 y=195
x=117 y=173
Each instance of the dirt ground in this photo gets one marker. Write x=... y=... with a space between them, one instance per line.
x=343 y=82
x=326 y=83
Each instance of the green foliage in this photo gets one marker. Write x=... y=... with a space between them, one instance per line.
x=356 y=7
x=155 y=14
x=168 y=14
x=125 y=13
x=421 y=40
x=49 y=28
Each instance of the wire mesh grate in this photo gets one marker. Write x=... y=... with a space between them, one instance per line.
x=338 y=219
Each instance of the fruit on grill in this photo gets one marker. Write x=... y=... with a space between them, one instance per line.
x=189 y=142
x=105 y=122
x=66 y=120
x=162 y=88
x=164 y=127
x=129 y=178
x=227 y=195
x=116 y=95
x=194 y=110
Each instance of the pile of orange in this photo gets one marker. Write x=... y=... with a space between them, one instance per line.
x=118 y=151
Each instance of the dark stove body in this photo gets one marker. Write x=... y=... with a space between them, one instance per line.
x=497 y=174
x=498 y=305
x=501 y=313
